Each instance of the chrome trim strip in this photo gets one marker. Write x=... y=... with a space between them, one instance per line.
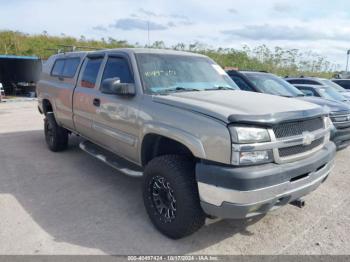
x=217 y=195
x=341 y=122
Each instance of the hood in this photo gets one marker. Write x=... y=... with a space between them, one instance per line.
x=329 y=105
x=241 y=106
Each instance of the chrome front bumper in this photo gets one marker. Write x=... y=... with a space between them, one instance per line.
x=224 y=202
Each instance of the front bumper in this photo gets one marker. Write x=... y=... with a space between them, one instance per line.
x=228 y=192
x=341 y=138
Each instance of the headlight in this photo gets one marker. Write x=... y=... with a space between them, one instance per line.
x=250 y=135
x=246 y=135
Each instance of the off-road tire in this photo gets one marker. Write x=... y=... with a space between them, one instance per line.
x=56 y=137
x=178 y=172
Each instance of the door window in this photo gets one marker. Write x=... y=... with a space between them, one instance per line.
x=118 y=67
x=90 y=73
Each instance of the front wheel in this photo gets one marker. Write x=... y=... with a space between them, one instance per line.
x=170 y=195
x=56 y=137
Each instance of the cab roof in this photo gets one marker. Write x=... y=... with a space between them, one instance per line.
x=129 y=51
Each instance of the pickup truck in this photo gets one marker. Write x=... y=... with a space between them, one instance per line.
x=202 y=147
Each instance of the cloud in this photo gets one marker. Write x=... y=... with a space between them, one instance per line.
x=282 y=7
x=137 y=24
x=233 y=11
x=148 y=13
x=153 y=14
x=100 y=28
x=171 y=24
x=281 y=32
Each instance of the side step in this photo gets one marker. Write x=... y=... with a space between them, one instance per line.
x=111 y=159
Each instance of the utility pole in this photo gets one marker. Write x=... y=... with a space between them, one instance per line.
x=347 y=60
x=149 y=44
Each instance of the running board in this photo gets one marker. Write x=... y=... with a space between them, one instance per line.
x=111 y=159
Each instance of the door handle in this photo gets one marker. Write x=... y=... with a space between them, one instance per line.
x=96 y=102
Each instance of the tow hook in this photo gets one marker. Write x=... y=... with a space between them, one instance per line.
x=298 y=203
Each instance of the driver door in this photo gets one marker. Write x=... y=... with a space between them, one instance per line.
x=115 y=118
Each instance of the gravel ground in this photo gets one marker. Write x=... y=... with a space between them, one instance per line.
x=71 y=203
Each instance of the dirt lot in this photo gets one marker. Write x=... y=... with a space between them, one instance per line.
x=70 y=203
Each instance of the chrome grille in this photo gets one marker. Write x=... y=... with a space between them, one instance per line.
x=298 y=127
x=341 y=120
x=299 y=149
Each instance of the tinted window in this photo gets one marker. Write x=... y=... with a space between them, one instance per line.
x=241 y=83
x=90 y=73
x=117 y=67
x=308 y=91
x=70 y=67
x=303 y=82
x=343 y=83
x=58 y=67
x=271 y=84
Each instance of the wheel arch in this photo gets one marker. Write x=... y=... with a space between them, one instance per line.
x=168 y=140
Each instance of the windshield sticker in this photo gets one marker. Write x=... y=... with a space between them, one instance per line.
x=219 y=69
x=157 y=73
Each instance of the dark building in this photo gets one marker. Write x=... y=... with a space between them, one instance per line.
x=19 y=74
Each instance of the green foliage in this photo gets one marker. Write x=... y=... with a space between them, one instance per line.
x=280 y=61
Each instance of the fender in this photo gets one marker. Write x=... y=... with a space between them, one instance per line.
x=192 y=142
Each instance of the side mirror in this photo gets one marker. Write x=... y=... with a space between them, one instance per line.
x=113 y=86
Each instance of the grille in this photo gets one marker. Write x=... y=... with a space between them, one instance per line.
x=299 y=149
x=298 y=127
x=341 y=121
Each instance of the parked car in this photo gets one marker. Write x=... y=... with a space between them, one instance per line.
x=269 y=83
x=325 y=92
x=345 y=83
x=318 y=82
x=203 y=147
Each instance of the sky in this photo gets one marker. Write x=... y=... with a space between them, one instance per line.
x=321 y=26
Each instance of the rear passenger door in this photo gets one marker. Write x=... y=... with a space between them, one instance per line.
x=115 y=118
x=64 y=73
x=85 y=93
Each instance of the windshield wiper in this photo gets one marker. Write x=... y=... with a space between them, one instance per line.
x=220 y=88
x=178 y=89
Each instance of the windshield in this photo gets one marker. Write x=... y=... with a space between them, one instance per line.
x=271 y=84
x=330 y=93
x=162 y=73
x=330 y=83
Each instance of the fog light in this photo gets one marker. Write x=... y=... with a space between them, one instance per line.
x=255 y=157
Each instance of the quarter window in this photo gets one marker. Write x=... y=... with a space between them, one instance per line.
x=65 y=67
x=90 y=73
x=70 y=67
x=57 y=67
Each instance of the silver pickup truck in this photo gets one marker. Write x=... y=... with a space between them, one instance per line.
x=203 y=147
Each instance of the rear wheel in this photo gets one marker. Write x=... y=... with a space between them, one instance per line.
x=171 y=197
x=56 y=137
